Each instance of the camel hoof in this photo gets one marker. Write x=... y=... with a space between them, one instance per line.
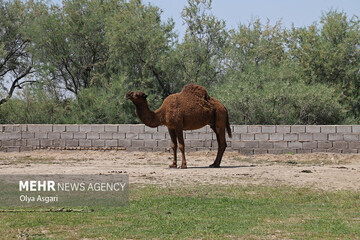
x=172 y=166
x=214 y=166
x=183 y=167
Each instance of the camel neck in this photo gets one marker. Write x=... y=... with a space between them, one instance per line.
x=148 y=117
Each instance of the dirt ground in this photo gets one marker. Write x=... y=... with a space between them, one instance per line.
x=320 y=170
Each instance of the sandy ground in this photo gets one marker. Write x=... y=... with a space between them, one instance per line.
x=320 y=171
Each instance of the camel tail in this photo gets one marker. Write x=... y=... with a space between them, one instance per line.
x=228 y=129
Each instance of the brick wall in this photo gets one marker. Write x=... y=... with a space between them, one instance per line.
x=247 y=139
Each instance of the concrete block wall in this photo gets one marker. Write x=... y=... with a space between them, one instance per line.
x=247 y=139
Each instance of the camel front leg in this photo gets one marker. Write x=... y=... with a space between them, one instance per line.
x=180 y=137
x=172 y=133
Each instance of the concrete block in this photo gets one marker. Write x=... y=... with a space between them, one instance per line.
x=260 y=151
x=246 y=151
x=25 y=149
x=310 y=145
x=277 y=136
x=15 y=135
x=335 y=137
x=355 y=129
x=93 y=135
x=131 y=135
x=303 y=151
x=247 y=136
x=84 y=143
x=118 y=135
x=27 y=135
x=12 y=149
x=59 y=142
x=305 y=136
x=46 y=142
x=275 y=151
x=46 y=128
x=33 y=142
x=354 y=145
x=8 y=143
x=111 y=128
x=150 y=130
x=137 y=143
x=97 y=128
x=265 y=144
x=145 y=136
x=291 y=137
x=72 y=128
x=351 y=137
x=208 y=129
x=12 y=128
x=297 y=128
x=33 y=128
x=158 y=136
x=205 y=136
x=343 y=129
x=250 y=144
x=59 y=128
x=324 y=145
x=66 y=135
x=72 y=143
x=162 y=129
x=240 y=128
x=254 y=129
x=106 y=135
x=197 y=143
x=235 y=136
x=151 y=143
x=98 y=143
x=164 y=143
x=340 y=145
x=320 y=136
x=111 y=143
x=312 y=129
x=268 y=129
x=41 y=135
x=54 y=135
x=191 y=135
x=4 y=135
x=280 y=144
x=327 y=129
x=85 y=128
x=295 y=145
x=283 y=129
x=262 y=136
x=79 y=135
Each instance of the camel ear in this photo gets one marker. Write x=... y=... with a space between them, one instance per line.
x=144 y=95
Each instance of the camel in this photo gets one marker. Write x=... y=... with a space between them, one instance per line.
x=190 y=109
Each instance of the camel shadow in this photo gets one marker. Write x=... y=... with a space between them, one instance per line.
x=207 y=167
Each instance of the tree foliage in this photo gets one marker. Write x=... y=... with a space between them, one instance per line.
x=86 y=54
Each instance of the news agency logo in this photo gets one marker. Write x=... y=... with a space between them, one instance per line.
x=64 y=190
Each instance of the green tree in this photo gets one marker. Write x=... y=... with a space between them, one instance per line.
x=202 y=52
x=140 y=45
x=69 y=41
x=330 y=54
x=16 y=64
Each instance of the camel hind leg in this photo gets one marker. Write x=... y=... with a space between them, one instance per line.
x=220 y=137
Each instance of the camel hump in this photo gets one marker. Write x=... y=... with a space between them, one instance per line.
x=196 y=90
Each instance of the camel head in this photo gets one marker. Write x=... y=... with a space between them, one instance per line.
x=136 y=97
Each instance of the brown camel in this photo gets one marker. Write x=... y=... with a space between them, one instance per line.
x=190 y=109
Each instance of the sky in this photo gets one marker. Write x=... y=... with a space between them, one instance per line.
x=298 y=12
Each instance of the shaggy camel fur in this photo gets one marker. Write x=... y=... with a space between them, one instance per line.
x=190 y=109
